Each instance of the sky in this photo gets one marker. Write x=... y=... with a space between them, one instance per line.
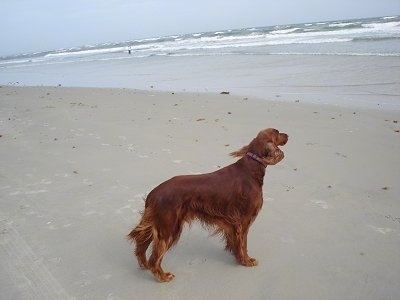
x=30 y=26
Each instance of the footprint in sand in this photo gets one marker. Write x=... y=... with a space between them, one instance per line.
x=14 y=193
x=97 y=137
x=43 y=181
x=166 y=150
x=321 y=203
x=138 y=197
x=51 y=226
x=197 y=261
x=36 y=192
x=121 y=209
x=381 y=230
x=87 y=182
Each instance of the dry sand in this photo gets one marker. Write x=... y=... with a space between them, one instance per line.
x=76 y=163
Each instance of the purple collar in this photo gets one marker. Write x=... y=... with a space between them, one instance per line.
x=256 y=158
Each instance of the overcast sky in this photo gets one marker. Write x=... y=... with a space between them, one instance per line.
x=28 y=26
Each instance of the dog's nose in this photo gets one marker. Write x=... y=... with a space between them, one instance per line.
x=284 y=139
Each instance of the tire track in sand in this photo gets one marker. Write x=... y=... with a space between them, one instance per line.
x=29 y=277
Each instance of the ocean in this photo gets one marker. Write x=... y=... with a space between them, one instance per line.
x=359 y=37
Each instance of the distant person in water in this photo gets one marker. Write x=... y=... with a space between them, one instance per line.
x=129 y=50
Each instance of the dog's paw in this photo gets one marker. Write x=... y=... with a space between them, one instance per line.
x=143 y=265
x=164 y=277
x=250 y=262
x=254 y=262
x=169 y=276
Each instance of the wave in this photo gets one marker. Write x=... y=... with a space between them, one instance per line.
x=389 y=26
x=344 y=24
x=85 y=52
x=285 y=31
x=389 y=18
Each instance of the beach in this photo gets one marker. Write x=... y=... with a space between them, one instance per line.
x=77 y=163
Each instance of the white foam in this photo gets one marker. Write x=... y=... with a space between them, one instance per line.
x=389 y=18
x=284 y=31
x=384 y=27
x=344 y=24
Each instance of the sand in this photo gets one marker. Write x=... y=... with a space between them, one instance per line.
x=76 y=163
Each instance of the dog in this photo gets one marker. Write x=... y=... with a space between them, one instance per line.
x=227 y=201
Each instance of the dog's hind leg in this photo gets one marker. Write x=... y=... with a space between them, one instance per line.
x=163 y=238
x=143 y=236
x=160 y=247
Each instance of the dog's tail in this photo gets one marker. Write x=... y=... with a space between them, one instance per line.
x=143 y=232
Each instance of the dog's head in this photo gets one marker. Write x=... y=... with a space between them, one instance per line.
x=272 y=135
x=265 y=146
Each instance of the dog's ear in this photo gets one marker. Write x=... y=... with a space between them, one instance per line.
x=241 y=152
x=256 y=146
x=273 y=154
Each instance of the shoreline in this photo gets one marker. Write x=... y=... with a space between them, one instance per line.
x=77 y=162
x=354 y=82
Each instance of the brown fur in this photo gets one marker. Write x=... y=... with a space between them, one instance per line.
x=227 y=200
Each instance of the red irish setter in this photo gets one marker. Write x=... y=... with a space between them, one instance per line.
x=227 y=200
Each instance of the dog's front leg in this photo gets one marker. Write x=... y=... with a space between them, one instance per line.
x=241 y=242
